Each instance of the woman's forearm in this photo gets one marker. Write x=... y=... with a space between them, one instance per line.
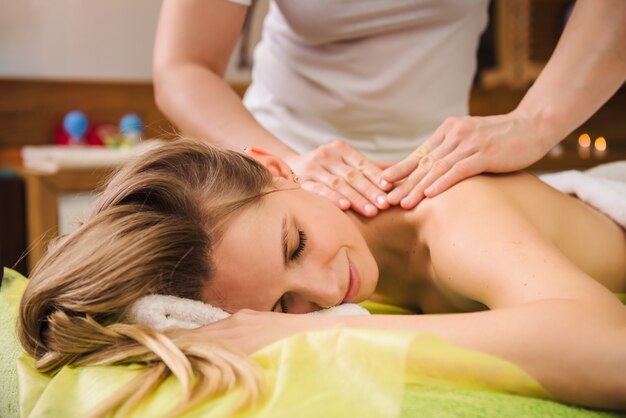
x=577 y=356
x=194 y=42
x=205 y=107
x=586 y=69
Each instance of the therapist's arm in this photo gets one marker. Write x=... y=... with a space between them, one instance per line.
x=585 y=70
x=195 y=39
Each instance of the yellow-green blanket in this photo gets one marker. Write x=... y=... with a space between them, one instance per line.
x=340 y=373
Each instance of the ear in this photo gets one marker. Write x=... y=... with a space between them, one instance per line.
x=275 y=165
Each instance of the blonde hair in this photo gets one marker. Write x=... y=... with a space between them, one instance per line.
x=152 y=232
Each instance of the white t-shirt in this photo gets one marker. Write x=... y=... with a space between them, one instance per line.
x=381 y=74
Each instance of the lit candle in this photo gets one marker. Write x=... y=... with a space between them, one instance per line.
x=584 y=144
x=599 y=147
x=584 y=141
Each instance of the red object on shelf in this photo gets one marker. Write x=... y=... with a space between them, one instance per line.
x=94 y=136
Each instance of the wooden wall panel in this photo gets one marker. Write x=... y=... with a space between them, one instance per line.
x=30 y=109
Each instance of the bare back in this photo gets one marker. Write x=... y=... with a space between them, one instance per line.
x=593 y=243
x=591 y=240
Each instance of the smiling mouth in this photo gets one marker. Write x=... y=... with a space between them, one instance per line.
x=354 y=283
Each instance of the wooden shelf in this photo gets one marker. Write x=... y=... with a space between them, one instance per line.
x=42 y=197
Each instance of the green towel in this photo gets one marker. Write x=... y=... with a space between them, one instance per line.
x=337 y=373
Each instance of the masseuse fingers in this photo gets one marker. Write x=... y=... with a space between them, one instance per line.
x=410 y=184
x=353 y=175
x=404 y=168
x=359 y=173
x=327 y=171
x=370 y=169
x=358 y=202
x=425 y=165
x=461 y=169
x=362 y=174
x=358 y=181
x=321 y=189
x=385 y=165
x=439 y=168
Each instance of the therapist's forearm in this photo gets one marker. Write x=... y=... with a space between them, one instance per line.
x=205 y=107
x=586 y=69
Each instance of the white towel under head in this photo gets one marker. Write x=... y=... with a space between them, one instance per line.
x=162 y=312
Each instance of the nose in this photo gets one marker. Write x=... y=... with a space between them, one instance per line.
x=315 y=292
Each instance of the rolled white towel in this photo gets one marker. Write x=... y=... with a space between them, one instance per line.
x=603 y=187
x=162 y=312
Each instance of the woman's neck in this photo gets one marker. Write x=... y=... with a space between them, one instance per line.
x=393 y=237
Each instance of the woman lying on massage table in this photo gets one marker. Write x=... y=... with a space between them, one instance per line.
x=528 y=273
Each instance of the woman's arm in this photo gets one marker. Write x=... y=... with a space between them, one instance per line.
x=585 y=70
x=194 y=41
x=578 y=357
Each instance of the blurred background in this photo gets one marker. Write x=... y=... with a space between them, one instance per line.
x=92 y=56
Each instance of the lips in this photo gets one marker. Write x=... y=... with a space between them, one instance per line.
x=354 y=283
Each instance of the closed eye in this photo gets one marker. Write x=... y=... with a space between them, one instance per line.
x=294 y=256
x=289 y=257
x=282 y=303
x=301 y=245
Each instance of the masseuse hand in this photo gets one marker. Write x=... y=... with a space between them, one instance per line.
x=343 y=175
x=462 y=147
x=250 y=330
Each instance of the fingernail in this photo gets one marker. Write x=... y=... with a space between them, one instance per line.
x=381 y=200
x=430 y=190
x=344 y=203
x=383 y=183
x=369 y=208
x=406 y=201
x=394 y=195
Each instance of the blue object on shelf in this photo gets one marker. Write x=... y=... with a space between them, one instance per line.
x=131 y=124
x=75 y=124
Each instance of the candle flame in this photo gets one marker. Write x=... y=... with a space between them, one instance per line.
x=600 y=144
x=584 y=140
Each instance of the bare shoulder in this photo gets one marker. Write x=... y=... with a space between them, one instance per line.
x=503 y=240
x=588 y=238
